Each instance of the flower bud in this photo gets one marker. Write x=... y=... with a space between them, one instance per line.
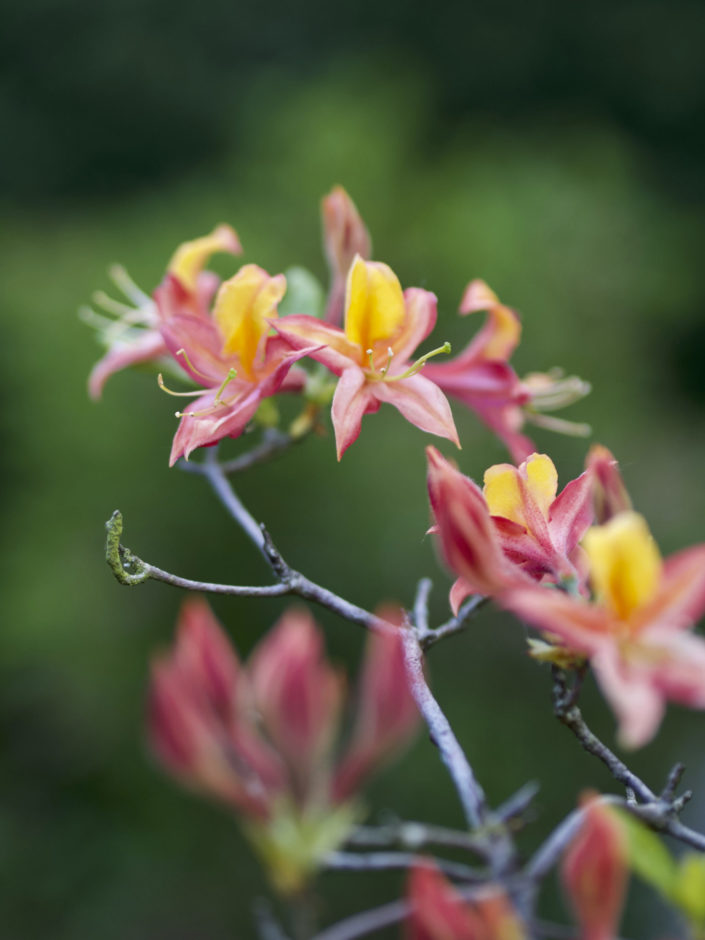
x=594 y=872
x=609 y=494
x=344 y=236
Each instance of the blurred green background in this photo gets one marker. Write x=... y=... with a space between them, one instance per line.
x=554 y=150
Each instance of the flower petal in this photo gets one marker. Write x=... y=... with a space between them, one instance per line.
x=190 y=258
x=420 y=308
x=344 y=237
x=637 y=704
x=150 y=345
x=374 y=304
x=224 y=421
x=680 y=600
x=571 y=513
x=582 y=627
x=336 y=351
x=352 y=400
x=421 y=402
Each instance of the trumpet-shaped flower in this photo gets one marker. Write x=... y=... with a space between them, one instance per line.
x=439 y=912
x=482 y=379
x=230 y=354
x=344 y=237
x=594 y=872
x=636 y=629
x=383 y=327
x=517 y=530
x=262 y=737
x=134 y=336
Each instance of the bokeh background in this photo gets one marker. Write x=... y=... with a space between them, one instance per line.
x=555 y=150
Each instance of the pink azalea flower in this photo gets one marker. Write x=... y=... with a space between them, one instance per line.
x=594 y=872
x=636 y=630
x=134 y=336
x=383 y=327
x=344 y=237
x=438 y=912
x=263 y=737
x=514 y=531
x=481 y=377
x=230 y=354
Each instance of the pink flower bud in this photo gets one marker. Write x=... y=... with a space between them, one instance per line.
x=467 y=534
x=439 y=913
x=594 y=872
x=386 y=712
x=609 y=492
x=344 y=236
x=196 y=724
x=297 y=694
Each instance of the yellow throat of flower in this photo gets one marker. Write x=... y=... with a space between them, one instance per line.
x=190 y=258
x=374 y=304
x=243 y=306
x=625 y=564
x=503 y=491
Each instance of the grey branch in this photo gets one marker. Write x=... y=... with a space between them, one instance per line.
x=469 y=790
x=381 y=861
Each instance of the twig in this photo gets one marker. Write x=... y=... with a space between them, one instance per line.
x=469 y=790
x=518 y=803
x=266 y=924
x=429 y=638
x=415 y=835
x=360 y=925
x=569 y=714
x=381 y=861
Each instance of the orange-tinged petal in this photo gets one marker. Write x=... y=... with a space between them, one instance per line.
x=243 y=306
x=541 y=480
x=503 y=493
x=478 y=296
x=625 y=564
x=190 y=258
x=374 y=303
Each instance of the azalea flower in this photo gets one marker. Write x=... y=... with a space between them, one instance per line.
x=134 y=336
x=439 y=912
x=482 y=379
x=515 y=531
x=636 y=629
x=263 y=738
x=383 y=327
x=229 y=353
x=594 y=872
x=344 y=237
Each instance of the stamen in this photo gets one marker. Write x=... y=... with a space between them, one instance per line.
x=370 y=354
x=162 y=386
x=560 y=425
x=101 y=299
x=390 y=355
x=232 y=373
x=119 y=276
x=223 y=403
x=192 y=367
x=419 y=364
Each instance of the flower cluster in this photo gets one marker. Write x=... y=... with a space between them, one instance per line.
x=601 y=591
x=230 y=341
x=263 y=738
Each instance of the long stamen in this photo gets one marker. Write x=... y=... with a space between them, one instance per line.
x=390 y=356
x=232 y=373
x=560 y=425
x=222 y=403
x=101 y=299
x=162 y=386
x=370 y=354
x=192 y=367
x=419 y=364
x=119 y=276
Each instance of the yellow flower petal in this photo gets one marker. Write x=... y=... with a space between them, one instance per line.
x=502 y=492
x=189 y=259
x=243 y=306
x=625 y=564
x=541 y=480
x=374 y=303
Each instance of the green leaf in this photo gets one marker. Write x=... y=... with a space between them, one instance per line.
x=304 y=294
x=648 y=856
x=690 y=888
